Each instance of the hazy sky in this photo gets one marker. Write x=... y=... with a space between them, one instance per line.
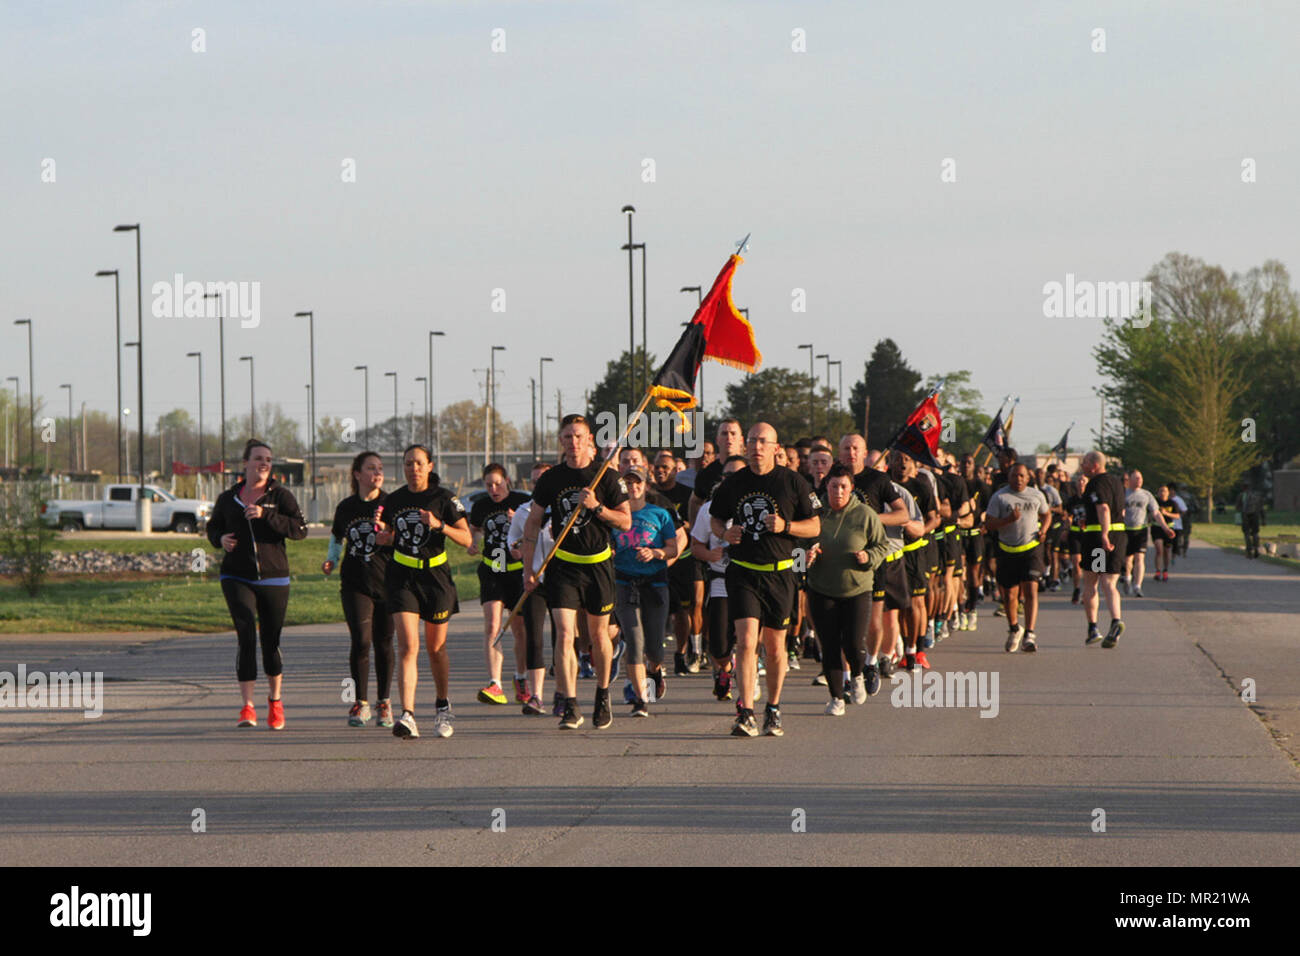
x=478 y=171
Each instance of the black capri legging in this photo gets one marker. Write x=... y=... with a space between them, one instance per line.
x=251 y=604
x=369 y=623
x=722 y=635
x=534 y=613
x=842 y=627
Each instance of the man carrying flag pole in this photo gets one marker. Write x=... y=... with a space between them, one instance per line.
x=578 y=491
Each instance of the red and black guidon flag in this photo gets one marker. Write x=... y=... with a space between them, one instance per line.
x=920 y=436
x=718 y=331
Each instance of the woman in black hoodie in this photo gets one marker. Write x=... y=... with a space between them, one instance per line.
x=250 y=521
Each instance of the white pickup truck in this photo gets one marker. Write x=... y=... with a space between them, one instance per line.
x=117 y=510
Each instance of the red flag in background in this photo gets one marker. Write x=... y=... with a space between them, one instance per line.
x=920 y=436
x=718 y=331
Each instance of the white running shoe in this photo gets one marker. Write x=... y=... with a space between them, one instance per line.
x=443 y=723
x=1014 y=636
x=835 y=708
x=859 y=690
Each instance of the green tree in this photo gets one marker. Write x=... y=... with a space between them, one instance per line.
x=464 y=427
x=273 y=427
x=894 y=389
x=614 y=389
x=780 y=397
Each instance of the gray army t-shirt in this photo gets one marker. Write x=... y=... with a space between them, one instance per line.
x=1032 y=505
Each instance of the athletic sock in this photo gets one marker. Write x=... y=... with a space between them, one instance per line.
x=441 y=703
x=697 y=643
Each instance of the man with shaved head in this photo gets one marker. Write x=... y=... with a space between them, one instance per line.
x=768 y=508
x=1103 y=544
x=1139 y=509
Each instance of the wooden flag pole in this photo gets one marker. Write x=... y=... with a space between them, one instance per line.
x=573 y=516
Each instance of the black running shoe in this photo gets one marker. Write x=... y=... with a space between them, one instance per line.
x=571 y=720
x=1075 y=598
x=745 y=726
x=1094 y=635
x=871 y=677
x=722 y=685
x=909 y=661
x=661 y=685
x=679 y=665
x=1112 y=636
x=772 y=721
x=639 y=709
x=886 y=666
x=600 y=715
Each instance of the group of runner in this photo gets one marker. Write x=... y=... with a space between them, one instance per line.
x=752 y=557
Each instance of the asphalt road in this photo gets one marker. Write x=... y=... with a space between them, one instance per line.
x=1154 y=732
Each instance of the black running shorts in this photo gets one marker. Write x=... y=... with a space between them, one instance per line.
x=681 y=584
x=1137 y=540
x=430 y=593
x=974 y=548
x=1017 y=567
x=586 y=587
x=891 y=584
x=768 y=596
x=503 y=586
x=917 y=567
x=1092 y=551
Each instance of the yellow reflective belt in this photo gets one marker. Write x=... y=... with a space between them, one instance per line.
x=582 y=558
x=893 y=556
x=949 y=529
x=420 y=563
x=511 y=566
x=974 y=532
x=918 y=543
x=779 y=566
x=1097 y=527
x=1017 y=548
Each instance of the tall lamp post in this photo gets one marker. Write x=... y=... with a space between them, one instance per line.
x=839 y=370
x=425 y=389
x=252 y=400
x=143 y=512
x=117 y=300
x=221 y=363
x=631 y=312
x=17 y=426
x=492 y=403
x=199 y=356
x=365 y=369
x=311 y=404
x=31 y=393
x=125 y=413
x=72 y=440
x=432 y=404
x=541 y=397
x=397 y=439
x=812 y=384
x=699 y=296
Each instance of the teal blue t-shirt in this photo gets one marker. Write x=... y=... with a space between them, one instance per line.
x=652 y=527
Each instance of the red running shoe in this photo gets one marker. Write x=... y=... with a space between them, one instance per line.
x=275 y=719
x=923 y=660
x=521 y=691
x=248 y=716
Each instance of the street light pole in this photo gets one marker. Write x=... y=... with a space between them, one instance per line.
x=117 y=300
x=812 y=384
x=365 y=441
x=492 y=400
x=631 y=313
x=432 y=404
x=17 y=426
x=143 y=511
x=310 y=316
x=839 y=369
x=252 y=400
x=31 y=393
x=425 y=380
x=199 y=356
x=532 y=392
x=221 y=362
x=125 y=412
x=541 y=395
x=72 y=443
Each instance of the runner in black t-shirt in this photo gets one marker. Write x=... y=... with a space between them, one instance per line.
x=979 y=492
x=1104 y=543
x=953 y=545
x=769 y=508
x=581 y=575
x=500 y=580
x=731 y=441
x=418 y=518
x=361 y=579
x=902 y=468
